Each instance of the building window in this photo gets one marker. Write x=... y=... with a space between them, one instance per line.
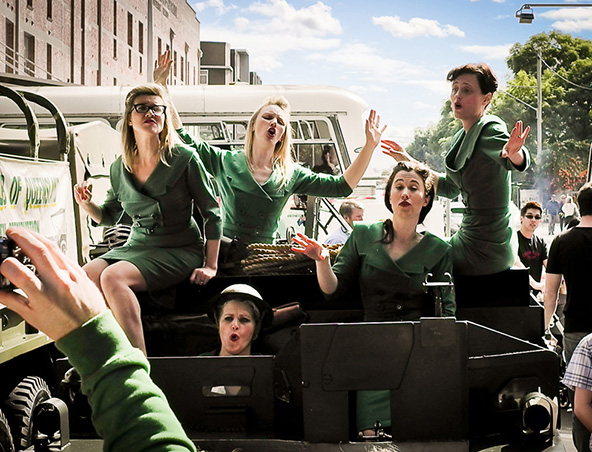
x=203 y=76
x=114 y=81
x=130 y=29
x=98 y=78
x=140 y=37
x=29 y=54
x=49 y=9
x=129 y=58
x=175 y=64
x=141 y=65
x=30 y=4
x=98 y=16
x=182 y=66
x=9 y=66
x=114 y=48
x=159 y=46
x=115 y=17
x=49 y=61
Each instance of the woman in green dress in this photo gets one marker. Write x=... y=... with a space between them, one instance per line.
x=255 y=184
x=391 y=260
x=478 y=167
x=156 y=182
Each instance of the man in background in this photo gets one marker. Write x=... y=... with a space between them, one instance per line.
x=532 y=249
x=350 y=211
x=553 y=209
x=570 y=256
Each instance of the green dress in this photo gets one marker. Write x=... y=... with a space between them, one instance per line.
x=476 y=170
x=391 y=290
x=165 y=243
x=251 y=211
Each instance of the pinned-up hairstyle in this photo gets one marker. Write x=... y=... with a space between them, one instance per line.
x=487 y=79
x=428 y=181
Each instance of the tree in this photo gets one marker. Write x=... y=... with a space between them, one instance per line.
x=567 y=112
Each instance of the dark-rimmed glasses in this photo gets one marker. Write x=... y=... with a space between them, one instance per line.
x=530 y=217
x=157 y=110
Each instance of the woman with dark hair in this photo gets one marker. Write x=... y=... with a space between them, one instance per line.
x=478 y=167
x=156 y=181
x=391 y=260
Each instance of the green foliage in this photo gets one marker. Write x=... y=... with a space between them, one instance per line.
x=567 y=111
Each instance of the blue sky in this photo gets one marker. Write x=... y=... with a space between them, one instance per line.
x=395 y=54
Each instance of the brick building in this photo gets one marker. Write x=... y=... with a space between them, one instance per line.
x=221 y=65
x=98 y=42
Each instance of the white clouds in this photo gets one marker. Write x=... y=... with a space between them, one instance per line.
x=499 y=52
x=570 y=20
x=218 y=5
x=315 y=20
x=416 y=27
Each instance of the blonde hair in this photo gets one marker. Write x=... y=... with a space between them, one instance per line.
x=168 y=136
x=282 y=155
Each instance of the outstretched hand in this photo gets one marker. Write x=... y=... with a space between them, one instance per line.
x=516 y=141
x=396 y=151
x=373 y=130
x=60 y=297
x=162 y=68
x=309 y=247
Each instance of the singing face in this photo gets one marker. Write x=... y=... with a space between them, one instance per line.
x=236 y=327
x=270 y=124
x=468 y=102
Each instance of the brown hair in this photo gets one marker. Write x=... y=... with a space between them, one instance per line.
x=428 y=181
x=487 y=79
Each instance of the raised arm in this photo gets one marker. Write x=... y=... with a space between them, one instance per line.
x=162 y=70
x=513 y=148
x=353 y=174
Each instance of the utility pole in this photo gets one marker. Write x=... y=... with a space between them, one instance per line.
x=539 y=111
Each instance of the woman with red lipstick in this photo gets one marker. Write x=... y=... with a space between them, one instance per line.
x=390 y=260
x=478 y=167
x=156 y=181
x=256 y=184
x=239 y=313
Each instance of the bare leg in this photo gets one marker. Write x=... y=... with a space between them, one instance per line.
x=94 y=269
x=118 y=282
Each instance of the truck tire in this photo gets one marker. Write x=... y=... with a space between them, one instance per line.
x=6 y=444
x=21 y=402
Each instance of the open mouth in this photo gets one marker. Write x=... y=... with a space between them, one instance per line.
x=234 y=337
x=271 y=132
x=404 y=204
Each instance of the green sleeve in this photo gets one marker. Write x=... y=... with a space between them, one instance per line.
x=492 y=140
x=129 y=411
x=447 y=188
x=319 y=184
x=210 y=156
x=202 y=191
x=111 y=209
x=347 y=264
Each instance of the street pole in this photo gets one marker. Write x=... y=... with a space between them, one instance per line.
x=539 y=113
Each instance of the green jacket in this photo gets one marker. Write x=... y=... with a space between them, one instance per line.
x=129 y=411
x=393 y=290
x=162 y=209
x=251 y=211
x=476 y=170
